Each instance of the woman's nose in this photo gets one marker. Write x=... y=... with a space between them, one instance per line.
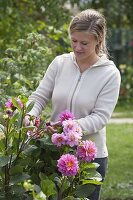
x=78 y=46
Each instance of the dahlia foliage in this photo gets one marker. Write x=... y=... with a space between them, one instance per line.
x=37 y=165
x=16 y=144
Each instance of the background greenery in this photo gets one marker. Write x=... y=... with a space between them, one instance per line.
x=50 y=19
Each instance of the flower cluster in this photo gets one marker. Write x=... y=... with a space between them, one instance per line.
x=35 y=133
x=71 y=135
x=10 y=107
x=9 y=103
x=73 y=155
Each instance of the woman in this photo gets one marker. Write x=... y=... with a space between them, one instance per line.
x=84 y=82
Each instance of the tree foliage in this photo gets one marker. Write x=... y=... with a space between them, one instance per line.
x=51 y=18
x=118 y=13
x=24 y=65
x=18 y=18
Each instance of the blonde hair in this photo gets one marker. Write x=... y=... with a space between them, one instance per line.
x=93 y=22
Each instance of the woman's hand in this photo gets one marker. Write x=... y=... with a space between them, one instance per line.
x=52 y=127
x=27 y=121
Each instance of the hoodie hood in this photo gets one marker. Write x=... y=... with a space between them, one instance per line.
x=103 y=61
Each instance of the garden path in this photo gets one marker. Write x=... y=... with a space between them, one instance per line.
x=121 y=121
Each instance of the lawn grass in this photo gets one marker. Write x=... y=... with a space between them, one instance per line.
x=123 y=111
x=118 y=184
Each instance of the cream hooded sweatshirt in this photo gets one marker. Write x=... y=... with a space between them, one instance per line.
x=91 y=95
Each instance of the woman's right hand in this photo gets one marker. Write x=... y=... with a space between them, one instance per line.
x=27 y=121
x=52 y=127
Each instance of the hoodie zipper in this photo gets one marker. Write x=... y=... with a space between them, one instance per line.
x=74 y=91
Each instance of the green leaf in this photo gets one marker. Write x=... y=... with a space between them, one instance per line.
x=16 y=104
x=18 y=178
x=30 y=150
x=4 y=161
x=13 y=119
x=89 y=166
x=17 y=169
x=91 y=181
x=84 y=190
x=42 y=176
x=48 y=187
x=22 y=97
x=1 y=128
x=2 y=145
x=88 y=173
x=66 y=185
x=29 y=107
x=57 y=182
x=18 y=190
x=46 y=143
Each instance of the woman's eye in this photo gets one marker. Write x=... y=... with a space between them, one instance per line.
x=84 y=43
x=74 y=41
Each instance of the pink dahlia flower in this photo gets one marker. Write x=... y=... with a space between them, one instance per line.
x=58 y=139
x=9 y=104
x=68 y=165
x=65 y=115
x=19 y=102
x=87 y=150
x=37 y=122
x=72 y=138
x=70 y=126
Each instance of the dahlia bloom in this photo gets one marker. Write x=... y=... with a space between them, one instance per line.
x=71 y=135
x=19 y=102
x=37 y=122
x=87 y=151
x=9 y=103
x=72 y=131
x=65 y=115
x=71 y=126
x=72 y=138
x=58 y=139
x=68 y=165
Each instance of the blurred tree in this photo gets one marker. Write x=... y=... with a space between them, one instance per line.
x=51 y=18
x=118 y=13
x=17 y=18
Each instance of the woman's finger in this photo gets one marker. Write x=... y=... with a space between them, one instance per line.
x=51 y=129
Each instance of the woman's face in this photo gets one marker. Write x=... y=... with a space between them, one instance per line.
x=83 y=45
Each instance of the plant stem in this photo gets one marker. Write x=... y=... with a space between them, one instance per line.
x=20 y=149
x=20 y=132
x=60 y=197
x=7 y=180
x=7 y=174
